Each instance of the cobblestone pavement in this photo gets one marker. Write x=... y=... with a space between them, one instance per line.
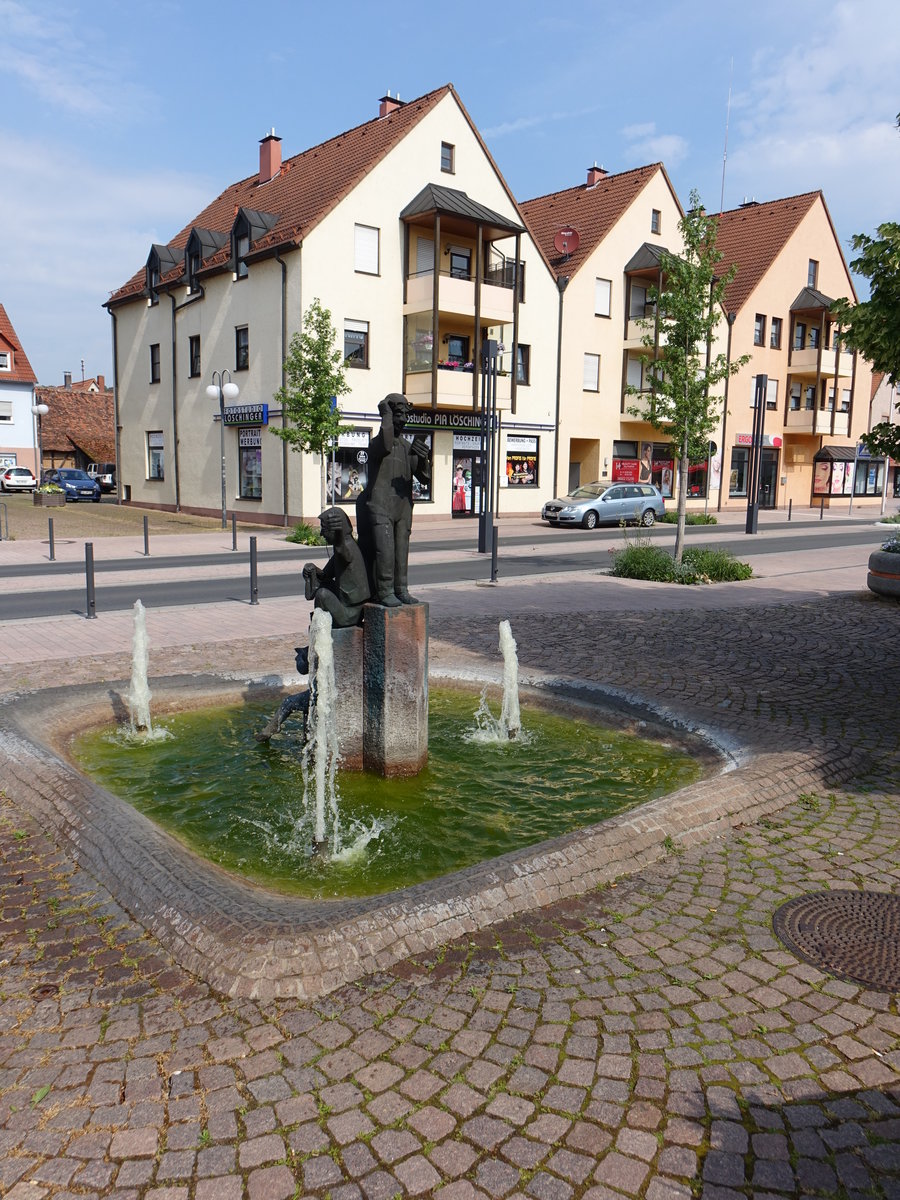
x=651 y=1039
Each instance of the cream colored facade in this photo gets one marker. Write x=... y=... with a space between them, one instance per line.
x=817 y=393
x=171 y=429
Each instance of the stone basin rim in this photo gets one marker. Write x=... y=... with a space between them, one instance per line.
x=248 y=941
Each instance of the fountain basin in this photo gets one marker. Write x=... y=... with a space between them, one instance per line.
x=250 y=941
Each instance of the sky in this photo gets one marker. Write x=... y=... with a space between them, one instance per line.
x=120 y=121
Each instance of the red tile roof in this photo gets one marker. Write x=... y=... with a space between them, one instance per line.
x=307 y=188
x=591 y=211
x=79 y=420
x=21 y=368
x=754 y=236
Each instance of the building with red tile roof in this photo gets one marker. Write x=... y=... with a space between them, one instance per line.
x=17 y=380
x=79 y=427
x=405 y=230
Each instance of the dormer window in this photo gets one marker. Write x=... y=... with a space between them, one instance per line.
x=161 y=261
x=249 y=228
x=5 y=360
x=242 y=249
x=193 y=270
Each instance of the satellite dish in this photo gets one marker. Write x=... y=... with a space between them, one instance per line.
x=566 y=241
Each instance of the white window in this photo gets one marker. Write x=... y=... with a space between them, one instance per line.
x=155 y=454
x=365 y=246
x=5 y=360
x=772 y=393
x=602 y=297
x=356 y=343
x=591 y=381
x=634 y=374
x=6 y=413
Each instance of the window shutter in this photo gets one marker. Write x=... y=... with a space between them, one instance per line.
x=366 y=249
x=601 y=297
x=424 y=256
x=6 y=412
x=591 y=372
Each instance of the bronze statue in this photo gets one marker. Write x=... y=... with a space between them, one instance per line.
x=341 y=587
x=384 y=509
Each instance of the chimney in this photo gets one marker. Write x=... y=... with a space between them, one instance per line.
x=101 y=382
x=269 y=157
x=595 y=174
x=67 y=380
x=388 y=104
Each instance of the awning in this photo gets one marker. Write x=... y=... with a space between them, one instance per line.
x=843 y=454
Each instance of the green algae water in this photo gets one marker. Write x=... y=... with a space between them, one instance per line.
x=239 y=803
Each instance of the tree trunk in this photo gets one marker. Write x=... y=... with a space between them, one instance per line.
x=683 y=477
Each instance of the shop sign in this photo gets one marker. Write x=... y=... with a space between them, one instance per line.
x=354 y=437
x=249 y=437
x=625 y=470
x=524 y=445
x=247 y=414
x=450 y=418
x=466 y=441
x=769 y=439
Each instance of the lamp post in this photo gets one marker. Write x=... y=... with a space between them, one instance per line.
x=220 y=390
x=38 y=411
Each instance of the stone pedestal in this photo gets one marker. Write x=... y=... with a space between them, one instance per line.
x=395 y=689
x=348 y=675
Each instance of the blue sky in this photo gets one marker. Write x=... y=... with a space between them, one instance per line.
x=119 y=121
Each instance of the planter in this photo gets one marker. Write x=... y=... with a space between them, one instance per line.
x=884 y=574
x=50 y=499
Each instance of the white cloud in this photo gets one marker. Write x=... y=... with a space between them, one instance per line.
x=520 y=123
x=645 y=145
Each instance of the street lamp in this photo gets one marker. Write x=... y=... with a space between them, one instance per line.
x=222 y=389
x=38 y=411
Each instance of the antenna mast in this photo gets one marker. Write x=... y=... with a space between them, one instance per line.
x=725 y=151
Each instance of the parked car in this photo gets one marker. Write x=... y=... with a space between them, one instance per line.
x=606 y=504
x=105 y=474
x=77 y=485
x=17 y=479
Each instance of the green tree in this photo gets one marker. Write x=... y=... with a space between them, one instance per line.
x=315 y=376
x=873 y=326
x=685 y=371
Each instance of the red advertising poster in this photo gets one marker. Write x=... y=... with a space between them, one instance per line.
x=625 y=470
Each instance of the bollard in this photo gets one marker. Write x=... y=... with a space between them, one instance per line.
x=89 y=580
x=254 y=588
x=52 y=543
x=494 y=554
x=790 y=506
x=146 y=537
x=821 y=508
x=234 y=531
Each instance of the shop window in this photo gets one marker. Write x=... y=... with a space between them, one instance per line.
x=698 y=479
x=155 y=455
x=523 y=364
x=422 y=493
x=737 y=481
x=448 y=158
x=154 y=363
x=759 y=330
x=591 y=373
x=366 y=249
x=602 y=297
x=194 y=355
x=522 y=461
x=346 y=470
x=775 y=334
x=250 y=463
x=241 y=348
x=356 y=343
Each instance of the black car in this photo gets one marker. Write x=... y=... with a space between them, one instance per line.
x=77 y=485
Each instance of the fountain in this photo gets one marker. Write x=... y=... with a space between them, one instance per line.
x=319 y=758
x=139 y=693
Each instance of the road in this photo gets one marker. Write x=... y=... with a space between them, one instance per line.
x=41 y=589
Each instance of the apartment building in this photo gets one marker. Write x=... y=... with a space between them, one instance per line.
x=405 y=230
x=17 y=380
x=790 y=271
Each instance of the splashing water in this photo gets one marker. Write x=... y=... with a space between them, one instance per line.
x=489 y=729
x=319 y=761
x=139 y=693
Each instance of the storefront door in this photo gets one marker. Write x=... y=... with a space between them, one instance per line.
x=768 y=478
x=466 y=483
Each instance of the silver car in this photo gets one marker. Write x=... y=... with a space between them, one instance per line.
x=606 y=504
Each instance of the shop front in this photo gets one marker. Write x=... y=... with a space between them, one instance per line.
x=843 y=471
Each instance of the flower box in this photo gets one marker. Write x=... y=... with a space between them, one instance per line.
x=50 y=499
x=884 y=573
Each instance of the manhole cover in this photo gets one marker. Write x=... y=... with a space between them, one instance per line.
x=855 y=935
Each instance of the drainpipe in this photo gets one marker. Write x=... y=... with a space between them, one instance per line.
x=284 y=445
x=562 y=282
x=732 y=317
x=115 y=357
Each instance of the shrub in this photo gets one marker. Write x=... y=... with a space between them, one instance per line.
x=48 y=489
x=642 y=560
x=894 y=520
x=691 y=518
x=892 y=545
x=305 y=535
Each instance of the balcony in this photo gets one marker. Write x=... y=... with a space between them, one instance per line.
x=806 y=361
x=454 y=388
x=817 y=420
x=456 y=295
